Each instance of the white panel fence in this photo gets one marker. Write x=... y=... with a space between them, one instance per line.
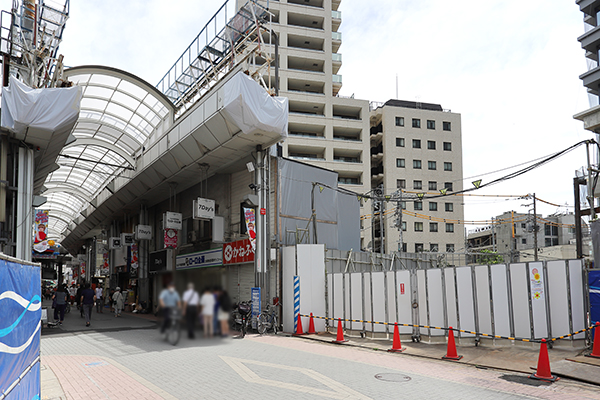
x=524 y=300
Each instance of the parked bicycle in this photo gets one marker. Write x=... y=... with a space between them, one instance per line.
x=240 y=317
x=267 y=319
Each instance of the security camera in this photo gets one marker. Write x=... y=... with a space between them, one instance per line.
x=252 y=186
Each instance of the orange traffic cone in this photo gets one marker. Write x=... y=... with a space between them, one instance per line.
x=299 y=331
x=543 y=368
x=451 y=353
x=396 y=345
x=596 y=348
x=311 y=326
x=340 y=333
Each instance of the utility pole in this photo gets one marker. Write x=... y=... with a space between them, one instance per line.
x=493 y=236
x=398 y=214
x=381 y=207
x=535 y=231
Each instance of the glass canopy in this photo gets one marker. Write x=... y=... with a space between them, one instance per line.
x=119 y=112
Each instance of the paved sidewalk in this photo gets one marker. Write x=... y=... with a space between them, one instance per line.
x=140 y=364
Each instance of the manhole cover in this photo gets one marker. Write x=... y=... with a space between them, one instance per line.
x=392 y=377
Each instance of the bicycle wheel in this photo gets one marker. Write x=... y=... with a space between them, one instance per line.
x=173 y=334
x=262 y=323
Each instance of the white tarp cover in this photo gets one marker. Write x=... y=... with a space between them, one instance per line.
x=49 y=109
x=251 y=107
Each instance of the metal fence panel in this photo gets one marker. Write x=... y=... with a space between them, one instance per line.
x=500 y=296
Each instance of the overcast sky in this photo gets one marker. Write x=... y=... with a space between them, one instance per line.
x=509 y=67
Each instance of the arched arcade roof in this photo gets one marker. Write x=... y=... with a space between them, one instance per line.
x=119 y=112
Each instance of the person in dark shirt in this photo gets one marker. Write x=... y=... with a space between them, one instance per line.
x=78 y=299
x=87 y=301
x=61 y=303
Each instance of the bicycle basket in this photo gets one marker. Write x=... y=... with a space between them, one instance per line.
x=244 y=308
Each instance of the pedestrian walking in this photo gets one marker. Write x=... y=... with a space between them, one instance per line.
x=191 y=302
x=87 y=302
x=59 y=300
x=99 y=299
x=168 y=299
x=208 y=310
x=78 y=299
x=224 y=311
x=118 y=302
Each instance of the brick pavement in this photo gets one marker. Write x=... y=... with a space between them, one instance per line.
x=268 y=366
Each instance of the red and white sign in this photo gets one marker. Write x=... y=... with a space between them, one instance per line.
x=402 y=288
x=170 y=238
x=238 y=252
x=263 y=211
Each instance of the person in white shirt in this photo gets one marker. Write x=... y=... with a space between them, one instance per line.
x=191 y=302
x=99 y=299
x=208 y=311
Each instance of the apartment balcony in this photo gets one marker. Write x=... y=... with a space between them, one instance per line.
x=347 y=134
x=306 y=109
x=377 y=171
x=305 y=86
x=347 y=112
x=590 y=40
x=307 y=131
x=306 y=42
x=336 y=62
x=336 y=20
x=335 y=4
x=336 y=84
x=307 y=153
x=347 y=156
x=336 y=41
x=345 y=179
x=305 y=21
x=588 y=7
x=307 y=3
x=306 y=64
x=591 y=80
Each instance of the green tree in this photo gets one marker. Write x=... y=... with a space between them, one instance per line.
x=490 y=257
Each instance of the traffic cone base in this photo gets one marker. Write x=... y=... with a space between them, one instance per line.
x=396 y=344
x=311 y=326
x=299 y=331
x=340 y=334
x=596 y=349
x=543 y=368
x=451 y=353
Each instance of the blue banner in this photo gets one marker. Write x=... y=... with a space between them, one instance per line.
x=594 y=282
x=20 y=325
x=256 y=301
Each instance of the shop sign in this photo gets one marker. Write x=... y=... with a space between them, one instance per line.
x=200 y=259
x=114 y=243
x=143 y=232
x=127 y=239
x=204 y=208
x=172 y=220
x=238 y=252
x=255 y=298
x=170 y=238
x=160 y=261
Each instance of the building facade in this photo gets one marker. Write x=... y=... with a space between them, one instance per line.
x=416 y=151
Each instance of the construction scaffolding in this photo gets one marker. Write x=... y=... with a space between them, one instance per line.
x=30 y=35
x=222 y=45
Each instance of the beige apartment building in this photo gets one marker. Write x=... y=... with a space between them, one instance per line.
x=325 y=129
x=416 y=151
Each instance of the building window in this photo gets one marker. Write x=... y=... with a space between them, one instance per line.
x=418 y=247
x=449 y=228
x=448 y=186
x=404 y=226
x=450 y=248
x=523 y=241
x=430 y=124
x=416 y=123
x=418 y=227
x=449 y=207
x=417 y=164
x=403 y=205
x=431 y=144
x=416 y=143
x=447 y=146
x=431 y=165
x=447 y=126
x=432 y=185
x=399 y=142
x=433 y=227
x=433 y=247
x=432 y=206
x=418 y=185
x=403 y=248
x=399 y=121
x=418 y=205
x=400 y=163
x=401 y=183
x=447 y=166
x=523 y=226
